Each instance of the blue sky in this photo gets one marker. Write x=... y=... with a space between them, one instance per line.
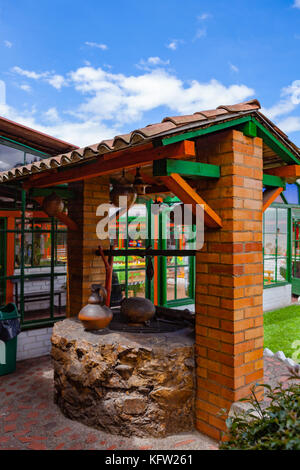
x=85 y=71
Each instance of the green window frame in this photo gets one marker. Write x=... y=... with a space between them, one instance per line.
x=53 y=231
x=276 y=246
x=126 y=273
x=179 y=264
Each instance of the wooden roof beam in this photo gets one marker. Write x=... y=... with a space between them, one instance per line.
x=290 y=172
x=111 y=163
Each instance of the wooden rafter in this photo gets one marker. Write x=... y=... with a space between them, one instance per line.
x=188 y=195
x=287 y=171
x=269 y=196
x=111 y=163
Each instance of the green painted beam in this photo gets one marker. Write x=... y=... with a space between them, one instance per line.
x=206 y=130
x=167 y=166
x=271 y=180
x=43 y=192
x=250 y=129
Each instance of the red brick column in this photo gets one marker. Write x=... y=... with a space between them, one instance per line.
x=84 y=267
x=229 y=280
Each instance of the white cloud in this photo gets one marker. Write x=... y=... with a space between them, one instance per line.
x=290 y=99
x=28 y=74
x=57 y=81
x=111 y=102
x=204 y=16
x=152 y=62
x=51 y=115
x=290 y=124
x=157 y=61
x=173 y=45
x=126 y=98
x=233 y=67
x=200 y=33
x=2 y=92
x=103 y=47
x=296 y=4
x=8 y=44
x=77 y=133
x=25 y=87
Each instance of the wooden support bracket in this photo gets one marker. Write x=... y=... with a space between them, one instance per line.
x=269 y=196
x=188 y=195
x=66 y=220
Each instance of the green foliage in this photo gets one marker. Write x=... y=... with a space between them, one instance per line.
x=283 y=272
x=281 y=329
x=275 y=427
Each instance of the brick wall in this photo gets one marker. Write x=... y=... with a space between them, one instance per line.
x=229 y=279
x=84 y=267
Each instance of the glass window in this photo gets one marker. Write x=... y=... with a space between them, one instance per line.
x=10 y=157
x=275 y=246
x=30 y=158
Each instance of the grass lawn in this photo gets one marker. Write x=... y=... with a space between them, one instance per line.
x=282 y=327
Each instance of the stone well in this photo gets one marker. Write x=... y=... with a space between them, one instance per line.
x=125 y=383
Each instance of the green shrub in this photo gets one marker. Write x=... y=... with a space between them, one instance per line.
x=276 y=427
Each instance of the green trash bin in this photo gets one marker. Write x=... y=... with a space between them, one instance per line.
x=8 y=349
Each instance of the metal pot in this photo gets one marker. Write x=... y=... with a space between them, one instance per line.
x=137 y=310
x=95 y=315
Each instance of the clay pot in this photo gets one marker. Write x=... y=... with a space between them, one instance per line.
x=137 y=310
x=95 y=315
x=123 y=188
x=53 y=205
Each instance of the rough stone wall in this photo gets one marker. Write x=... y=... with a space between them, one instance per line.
x=229 y=279
x=125 y=384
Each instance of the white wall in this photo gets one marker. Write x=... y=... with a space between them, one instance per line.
x=34 y=343
x=277 y=297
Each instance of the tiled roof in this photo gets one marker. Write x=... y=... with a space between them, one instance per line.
x=169 y=126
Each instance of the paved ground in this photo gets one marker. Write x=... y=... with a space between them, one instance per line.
x=30 y=420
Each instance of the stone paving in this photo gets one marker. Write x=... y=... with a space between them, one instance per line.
x=30 y=420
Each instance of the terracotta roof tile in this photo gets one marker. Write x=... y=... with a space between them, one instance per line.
x=167 y=127
x=179 y=120
x=211 y=113
x=246 y=106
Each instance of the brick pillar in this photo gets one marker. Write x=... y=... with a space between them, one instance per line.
x=229 y=279
x=84 y=267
